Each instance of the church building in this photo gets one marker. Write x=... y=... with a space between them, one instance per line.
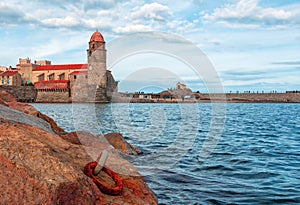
x=90 y=82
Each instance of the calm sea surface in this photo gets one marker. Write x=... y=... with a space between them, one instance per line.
x=255 y=159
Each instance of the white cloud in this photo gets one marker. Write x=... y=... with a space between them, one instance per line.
x=248 y=12
x=154 y=11
x=132 y=29
x=12 y=15
x=68 y=21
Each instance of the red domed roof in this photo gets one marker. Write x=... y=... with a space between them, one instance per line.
x=97 y=36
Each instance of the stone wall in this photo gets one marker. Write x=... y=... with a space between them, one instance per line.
x=21 y=93
x=255 y=97
x=53 y=96
x=88 y=93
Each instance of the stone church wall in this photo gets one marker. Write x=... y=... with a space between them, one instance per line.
x=88 y=93
x=53 y=96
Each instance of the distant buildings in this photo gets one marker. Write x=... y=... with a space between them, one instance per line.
x=180 y=93
x=180 y=86
x=10 y=77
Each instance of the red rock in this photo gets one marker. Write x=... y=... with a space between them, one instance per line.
x=58 y=130
x=38 y=167
x=79 y=138
x=5 y=96
x=118 y=142
x=9 y=101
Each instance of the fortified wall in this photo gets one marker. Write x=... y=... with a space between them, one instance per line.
x=21 y=93
x=53 y=96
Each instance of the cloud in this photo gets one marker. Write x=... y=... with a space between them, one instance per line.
x=287 y=63
x=275 y=76
x=68 y=21
x=111 y=16
x=276 y=81
x=248 y=13
x=10 y=15
x=132 y=29
x=153 y=11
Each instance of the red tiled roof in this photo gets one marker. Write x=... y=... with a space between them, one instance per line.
x=60 y=67
x=97 y=36
x=79 y=72
x=8 y=73
x=52 y=81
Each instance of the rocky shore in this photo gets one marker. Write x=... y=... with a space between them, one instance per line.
x=40 y=163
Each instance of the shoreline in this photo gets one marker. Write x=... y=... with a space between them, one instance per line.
x=229 y=102
x=28 y=94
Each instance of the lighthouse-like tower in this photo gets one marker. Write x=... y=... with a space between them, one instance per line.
x=96 y=55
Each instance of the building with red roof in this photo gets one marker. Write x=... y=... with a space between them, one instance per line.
x=180 y=85
x=10 y=78
x=73 y=82
x=56 y=72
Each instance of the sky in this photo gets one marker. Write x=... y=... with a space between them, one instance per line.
x=253 y=45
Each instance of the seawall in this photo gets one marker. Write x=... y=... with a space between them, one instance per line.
x=254 y=97
x=21 y=93
x=53 y=96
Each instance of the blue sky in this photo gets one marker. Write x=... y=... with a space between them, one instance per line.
x=253 y=44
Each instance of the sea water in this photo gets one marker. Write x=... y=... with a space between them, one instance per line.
x=252 y=157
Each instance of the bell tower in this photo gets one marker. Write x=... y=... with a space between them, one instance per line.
x=96 y=55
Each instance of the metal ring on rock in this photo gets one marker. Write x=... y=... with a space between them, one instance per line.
x=101 y=162
x=89 y=171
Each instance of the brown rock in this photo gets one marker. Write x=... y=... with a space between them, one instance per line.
x=58 y=130
x=6 y=97
x=118 y=142
x=9 y=101
x=38 y=167
x=80 y=137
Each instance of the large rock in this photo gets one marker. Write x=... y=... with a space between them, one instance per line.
x=8 y=100
x=118 y=142
x=17 y=116
x=37 y=166
x=114 y=139
x=55 y=128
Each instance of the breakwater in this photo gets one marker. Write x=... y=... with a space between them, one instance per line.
x=221 y=97
x=254 y=97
